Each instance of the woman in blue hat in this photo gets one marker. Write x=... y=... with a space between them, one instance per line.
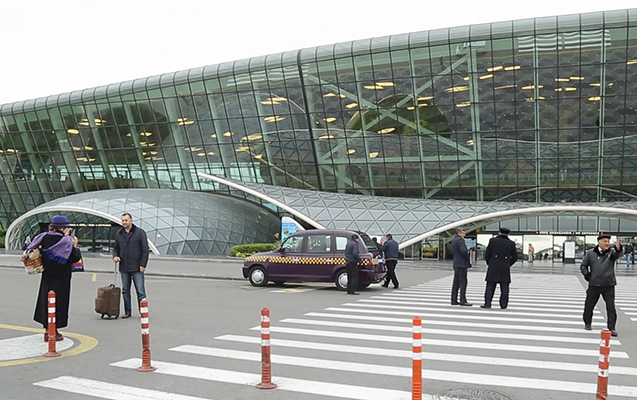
x=59 y=252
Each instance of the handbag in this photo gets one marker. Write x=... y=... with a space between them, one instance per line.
x=33 y=261
x=78 y=266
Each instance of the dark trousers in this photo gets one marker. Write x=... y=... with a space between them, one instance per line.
x=391 y=273
x=352 y=276
x=504 y=293
x=592 y=297
x=459 y=283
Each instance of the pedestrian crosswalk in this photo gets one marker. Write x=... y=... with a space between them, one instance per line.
x=362 y=349
x=626 y=297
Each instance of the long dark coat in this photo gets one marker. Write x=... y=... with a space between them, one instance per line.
x=500 y=255
x=56 y=277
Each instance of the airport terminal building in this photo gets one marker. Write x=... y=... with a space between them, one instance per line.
x=531 y=124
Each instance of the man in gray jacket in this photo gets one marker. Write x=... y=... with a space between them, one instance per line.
x=131 y=252
x=598 y=268
x=461 y=263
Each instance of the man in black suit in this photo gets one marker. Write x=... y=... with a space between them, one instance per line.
x=461 y=263
x=500 y=255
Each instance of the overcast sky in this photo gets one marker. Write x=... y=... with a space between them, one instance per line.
x=49 y=47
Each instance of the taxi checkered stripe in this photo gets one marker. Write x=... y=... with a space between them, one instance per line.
x=306 y=260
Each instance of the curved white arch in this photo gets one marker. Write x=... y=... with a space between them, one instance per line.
x=263 y=197
x=39 y=210
x=547 y=210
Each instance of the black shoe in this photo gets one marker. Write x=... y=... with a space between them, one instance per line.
x=485 y=306
x=385 y=285
x=127 y=315
x=588 y=327
x=354 y=293
x=455 y=303
x=613 y=333
x=504 y=308
x=396 y=287
x=466 y=304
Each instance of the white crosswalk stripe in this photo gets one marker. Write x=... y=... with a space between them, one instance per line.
x=626 y=297
x=537 y=344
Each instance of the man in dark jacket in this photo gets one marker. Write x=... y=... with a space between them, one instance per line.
x=390 y=251
x=598 y=268
x=131 y=252
x=353 y=258
x=461 y=263
x=500 y=255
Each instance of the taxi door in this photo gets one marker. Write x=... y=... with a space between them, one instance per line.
x=286 y=265
x=318 y=261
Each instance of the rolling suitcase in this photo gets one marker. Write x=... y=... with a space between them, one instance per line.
x=108 y=297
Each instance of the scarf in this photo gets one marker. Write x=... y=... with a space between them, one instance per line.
x=59 y=252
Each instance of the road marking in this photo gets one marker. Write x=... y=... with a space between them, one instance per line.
x=494 y=314
x=445 y=332
x=89 y=387
x=28 y=346
x=85 y=344
x=287 y=384
x=292 y=290
x=447 y=376
x=445 y=343
x=470 y=310
x=434 y=356
x=446 y=298
x=94 y=278
x=430 y=321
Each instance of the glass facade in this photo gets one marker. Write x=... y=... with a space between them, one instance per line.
x=538 y=110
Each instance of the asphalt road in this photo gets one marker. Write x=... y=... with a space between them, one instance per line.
x=326 y=344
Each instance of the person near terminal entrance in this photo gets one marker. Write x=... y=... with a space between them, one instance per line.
x=598 y=268
x=461 y=265
x=131 y=252
x=629 y=251
x=501 y=254
x=390 y=250
x=352 y=257
x=531 y=252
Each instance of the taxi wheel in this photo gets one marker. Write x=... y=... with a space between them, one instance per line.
x=340 y=279
x=258 y=277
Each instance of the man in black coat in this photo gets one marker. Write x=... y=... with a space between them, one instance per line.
x=500 y=255
x=131 y=252
x=461 y=263
x=352 y=257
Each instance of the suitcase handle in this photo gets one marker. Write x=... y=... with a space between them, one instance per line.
x=116 y=274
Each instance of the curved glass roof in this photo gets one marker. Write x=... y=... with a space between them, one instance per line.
x=176 y=222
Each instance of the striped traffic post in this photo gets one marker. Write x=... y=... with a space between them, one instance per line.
x=143 y=311
x=266 y=367
x=416 y=363
x=52 y=327
x=604 y=362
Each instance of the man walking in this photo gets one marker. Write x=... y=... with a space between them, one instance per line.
x=629 y=251
x=461 y=264
x=390 y=250
x=353 y=258
x=500 y=255
x=131 y=252
x=598 y=268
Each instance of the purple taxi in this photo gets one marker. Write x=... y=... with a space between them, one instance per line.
x=316 y=255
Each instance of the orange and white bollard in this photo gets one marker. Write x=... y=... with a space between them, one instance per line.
x=604 y=362
x=266 y=366
x=52 y=327
x=143 y=310
x=416 y=363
